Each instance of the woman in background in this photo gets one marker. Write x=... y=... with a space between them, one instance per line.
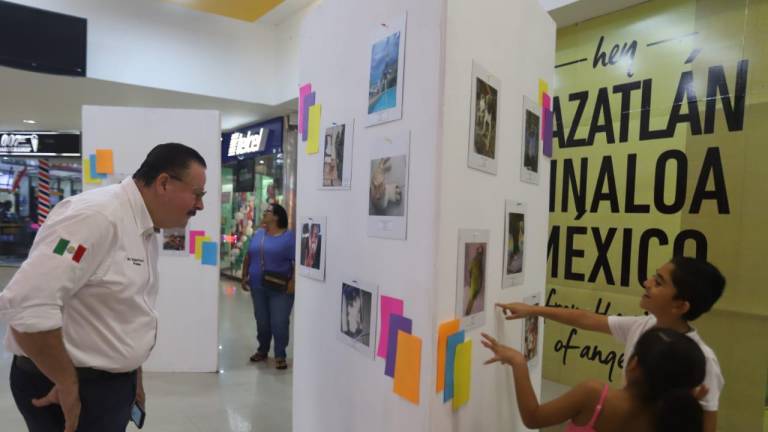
x=272 y=249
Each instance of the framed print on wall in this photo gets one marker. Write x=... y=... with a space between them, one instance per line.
x=483 y=120
x=313 y=248
x=471 y=278
x=357 y=316
x=386 y=72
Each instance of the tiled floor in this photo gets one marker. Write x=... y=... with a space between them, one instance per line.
x=243 y=398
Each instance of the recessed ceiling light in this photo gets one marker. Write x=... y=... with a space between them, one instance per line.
x=29 y=121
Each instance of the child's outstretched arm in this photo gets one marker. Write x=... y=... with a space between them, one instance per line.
x=554 y=412
x=572 y=317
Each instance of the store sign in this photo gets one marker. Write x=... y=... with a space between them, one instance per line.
x=18 y=143
x=240 y=144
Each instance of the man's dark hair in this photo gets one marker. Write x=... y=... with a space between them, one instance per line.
x=698 y=282
x=280 y=214
x=170 y=158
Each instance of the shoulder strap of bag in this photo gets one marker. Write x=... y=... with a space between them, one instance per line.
x=261 y=249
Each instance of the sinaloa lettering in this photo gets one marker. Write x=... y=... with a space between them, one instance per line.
x=605 y=192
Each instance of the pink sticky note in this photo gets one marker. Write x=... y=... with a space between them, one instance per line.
x=545 y=106
x=303 y=91
x=389 y=306
x=192 y=235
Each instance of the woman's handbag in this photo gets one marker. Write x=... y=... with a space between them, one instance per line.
x=269 y=279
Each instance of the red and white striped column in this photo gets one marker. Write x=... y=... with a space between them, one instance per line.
x=43 y=190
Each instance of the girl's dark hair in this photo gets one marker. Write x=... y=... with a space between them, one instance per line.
x=672 y=365
x=280 y=214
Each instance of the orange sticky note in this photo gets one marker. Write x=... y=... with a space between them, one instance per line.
x=462 y=374
x=445 y=329
x=104 y=162
x=408 y=367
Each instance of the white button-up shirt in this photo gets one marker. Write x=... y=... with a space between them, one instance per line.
x=91 y=271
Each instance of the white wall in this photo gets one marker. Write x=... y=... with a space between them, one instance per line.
x=159 y=44
x=287 y=37
x=187 y=303
x=515 y=41
x=335 y=387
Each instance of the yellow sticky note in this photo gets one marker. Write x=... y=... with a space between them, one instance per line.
x=199 y=246
x=87 y=172
x=104 y=162
x=408 y=367
x=462 y=374
x=313 y=138
x=543 y=88
x=445 y=329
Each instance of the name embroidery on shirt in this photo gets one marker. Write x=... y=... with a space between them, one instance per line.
x=135 y=261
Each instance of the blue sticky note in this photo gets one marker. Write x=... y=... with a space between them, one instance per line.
x=396 y=323
x=209 y=253
x=94 y=174
x=450 y=360
x=309 y=100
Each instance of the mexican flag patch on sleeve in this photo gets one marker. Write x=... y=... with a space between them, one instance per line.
x=65 y=247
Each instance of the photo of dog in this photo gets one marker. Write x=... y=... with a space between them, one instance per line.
x=387 y=186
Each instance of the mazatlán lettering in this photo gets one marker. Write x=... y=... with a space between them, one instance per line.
x=685 y=97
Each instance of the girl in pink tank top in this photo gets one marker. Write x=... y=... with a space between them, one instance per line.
x=662 y=375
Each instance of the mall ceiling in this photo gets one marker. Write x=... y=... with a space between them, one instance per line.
x=55 y=102
x=268 y=11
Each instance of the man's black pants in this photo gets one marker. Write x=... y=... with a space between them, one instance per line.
x=106 y=399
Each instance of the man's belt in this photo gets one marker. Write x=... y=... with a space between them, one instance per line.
x=83 y=373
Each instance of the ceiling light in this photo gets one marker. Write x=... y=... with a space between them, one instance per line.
x=29 y=121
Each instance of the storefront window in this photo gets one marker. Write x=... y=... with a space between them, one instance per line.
x=248 y=186
x=19 y=220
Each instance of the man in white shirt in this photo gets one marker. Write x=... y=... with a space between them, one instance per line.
x=681 y=290
x=81 y=309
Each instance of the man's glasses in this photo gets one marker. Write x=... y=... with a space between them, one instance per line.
x=199 y=194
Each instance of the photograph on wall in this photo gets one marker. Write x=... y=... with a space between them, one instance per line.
x=471 y=277
x=337 y=156
x=484 y=114
x=531 y=331
x=385 y=84
x=529 y=166
x=388 y=191
x=173 y=242
x=312 y=249
x=357 y=316
x=514 y=244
